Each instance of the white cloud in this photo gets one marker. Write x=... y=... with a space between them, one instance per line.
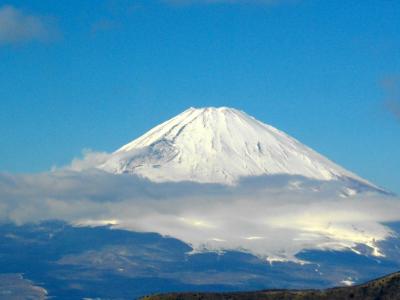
x=90 y=159
x=264 y=215
x=17 y=26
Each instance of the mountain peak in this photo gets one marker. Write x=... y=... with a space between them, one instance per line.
x=219 y=145
x=212 y=108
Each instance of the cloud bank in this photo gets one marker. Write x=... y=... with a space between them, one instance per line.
x=16 y=26
x=273 y=217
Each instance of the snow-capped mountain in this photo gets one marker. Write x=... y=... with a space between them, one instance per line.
x=326 y=226
x=219 y=145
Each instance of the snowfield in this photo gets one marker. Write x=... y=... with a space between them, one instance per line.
x=219 y=145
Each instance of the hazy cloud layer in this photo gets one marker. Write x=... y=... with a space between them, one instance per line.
x=273 y=217
x=17 y=26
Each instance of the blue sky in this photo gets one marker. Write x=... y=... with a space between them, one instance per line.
x=75 y=75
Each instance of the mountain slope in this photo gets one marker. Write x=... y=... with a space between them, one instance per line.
x=219 y=145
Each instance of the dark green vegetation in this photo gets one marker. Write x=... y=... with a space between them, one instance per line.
x=82 y=262
x=385 y=288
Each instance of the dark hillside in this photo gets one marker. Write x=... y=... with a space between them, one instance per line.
x=385 y=288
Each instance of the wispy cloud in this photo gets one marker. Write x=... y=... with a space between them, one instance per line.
x=104 y=25
x=17 y=26
x=394 y=108
x=260 y=2
x=391 y=85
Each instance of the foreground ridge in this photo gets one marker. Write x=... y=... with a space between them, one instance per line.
x=385 y=288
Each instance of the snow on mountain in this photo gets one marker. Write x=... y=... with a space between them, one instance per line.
x=219 y=145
